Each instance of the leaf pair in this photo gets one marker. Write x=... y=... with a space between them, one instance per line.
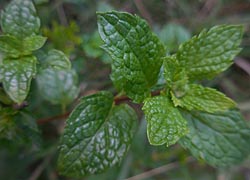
x=20 y=26
x=192 y=96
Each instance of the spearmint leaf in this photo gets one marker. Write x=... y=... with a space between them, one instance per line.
x=57 y=60
x=136 y=52
x=19 y=19
x=221 y=139
x=176 y=76
x=96 y=137
x=211 y=52
x=171 y=69
x=205 y=99
x=34 y=42
x=10 y=46
x=58 y=86
x=17 y=75
x=165 y=124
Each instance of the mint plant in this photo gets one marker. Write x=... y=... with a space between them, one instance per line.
x=100 y=129
x=199 y=118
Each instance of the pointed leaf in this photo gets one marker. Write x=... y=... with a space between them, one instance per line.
x=19 y=19
x=96 y=137
x=34 y=42
x=135 y=50
x=165 y=124
x=13 y=47
x=57 y=60
x=58 y=86
x=17 y=75
x=204 y=99
x=211 y=52
x=221 y=139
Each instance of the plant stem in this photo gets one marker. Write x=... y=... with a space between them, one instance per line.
x=64 y=115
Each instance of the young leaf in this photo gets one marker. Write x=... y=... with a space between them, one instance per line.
x=96 y=137
x=211 y=52
x=221 y=139
x=136 y=52
x=58 y=86
x=171 y=69
x=19 y=19
x=204 y=99
x=57 y=60
x=165 y=124
x=17 y=75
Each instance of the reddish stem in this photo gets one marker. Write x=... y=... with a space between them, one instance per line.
x=117 y=100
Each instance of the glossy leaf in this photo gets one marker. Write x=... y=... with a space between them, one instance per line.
x=57 y=60
x=204 y=99
x=136 y=52
x=58 y=86
x=17 y=75
x=211 y=52
x=96 y=137
x=19 y=19
x=221 y=139
x=165 y=124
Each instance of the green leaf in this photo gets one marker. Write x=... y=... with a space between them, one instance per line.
x=165 y=124
x=221 y=139
x=58 y=86
x=176 y=76
x=34 y=42
x=211 y=52
x=10 y=46
x=136 y=52
x=13 y=47
x=171 y=69
x=204 y=99
x=96 y=137
x=19 y=19
x=57 y=60
x=17 y=75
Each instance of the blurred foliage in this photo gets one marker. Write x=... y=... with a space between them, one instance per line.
x=62 y=37
x=172 y=35
x=92 y=47
x=174 y=21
